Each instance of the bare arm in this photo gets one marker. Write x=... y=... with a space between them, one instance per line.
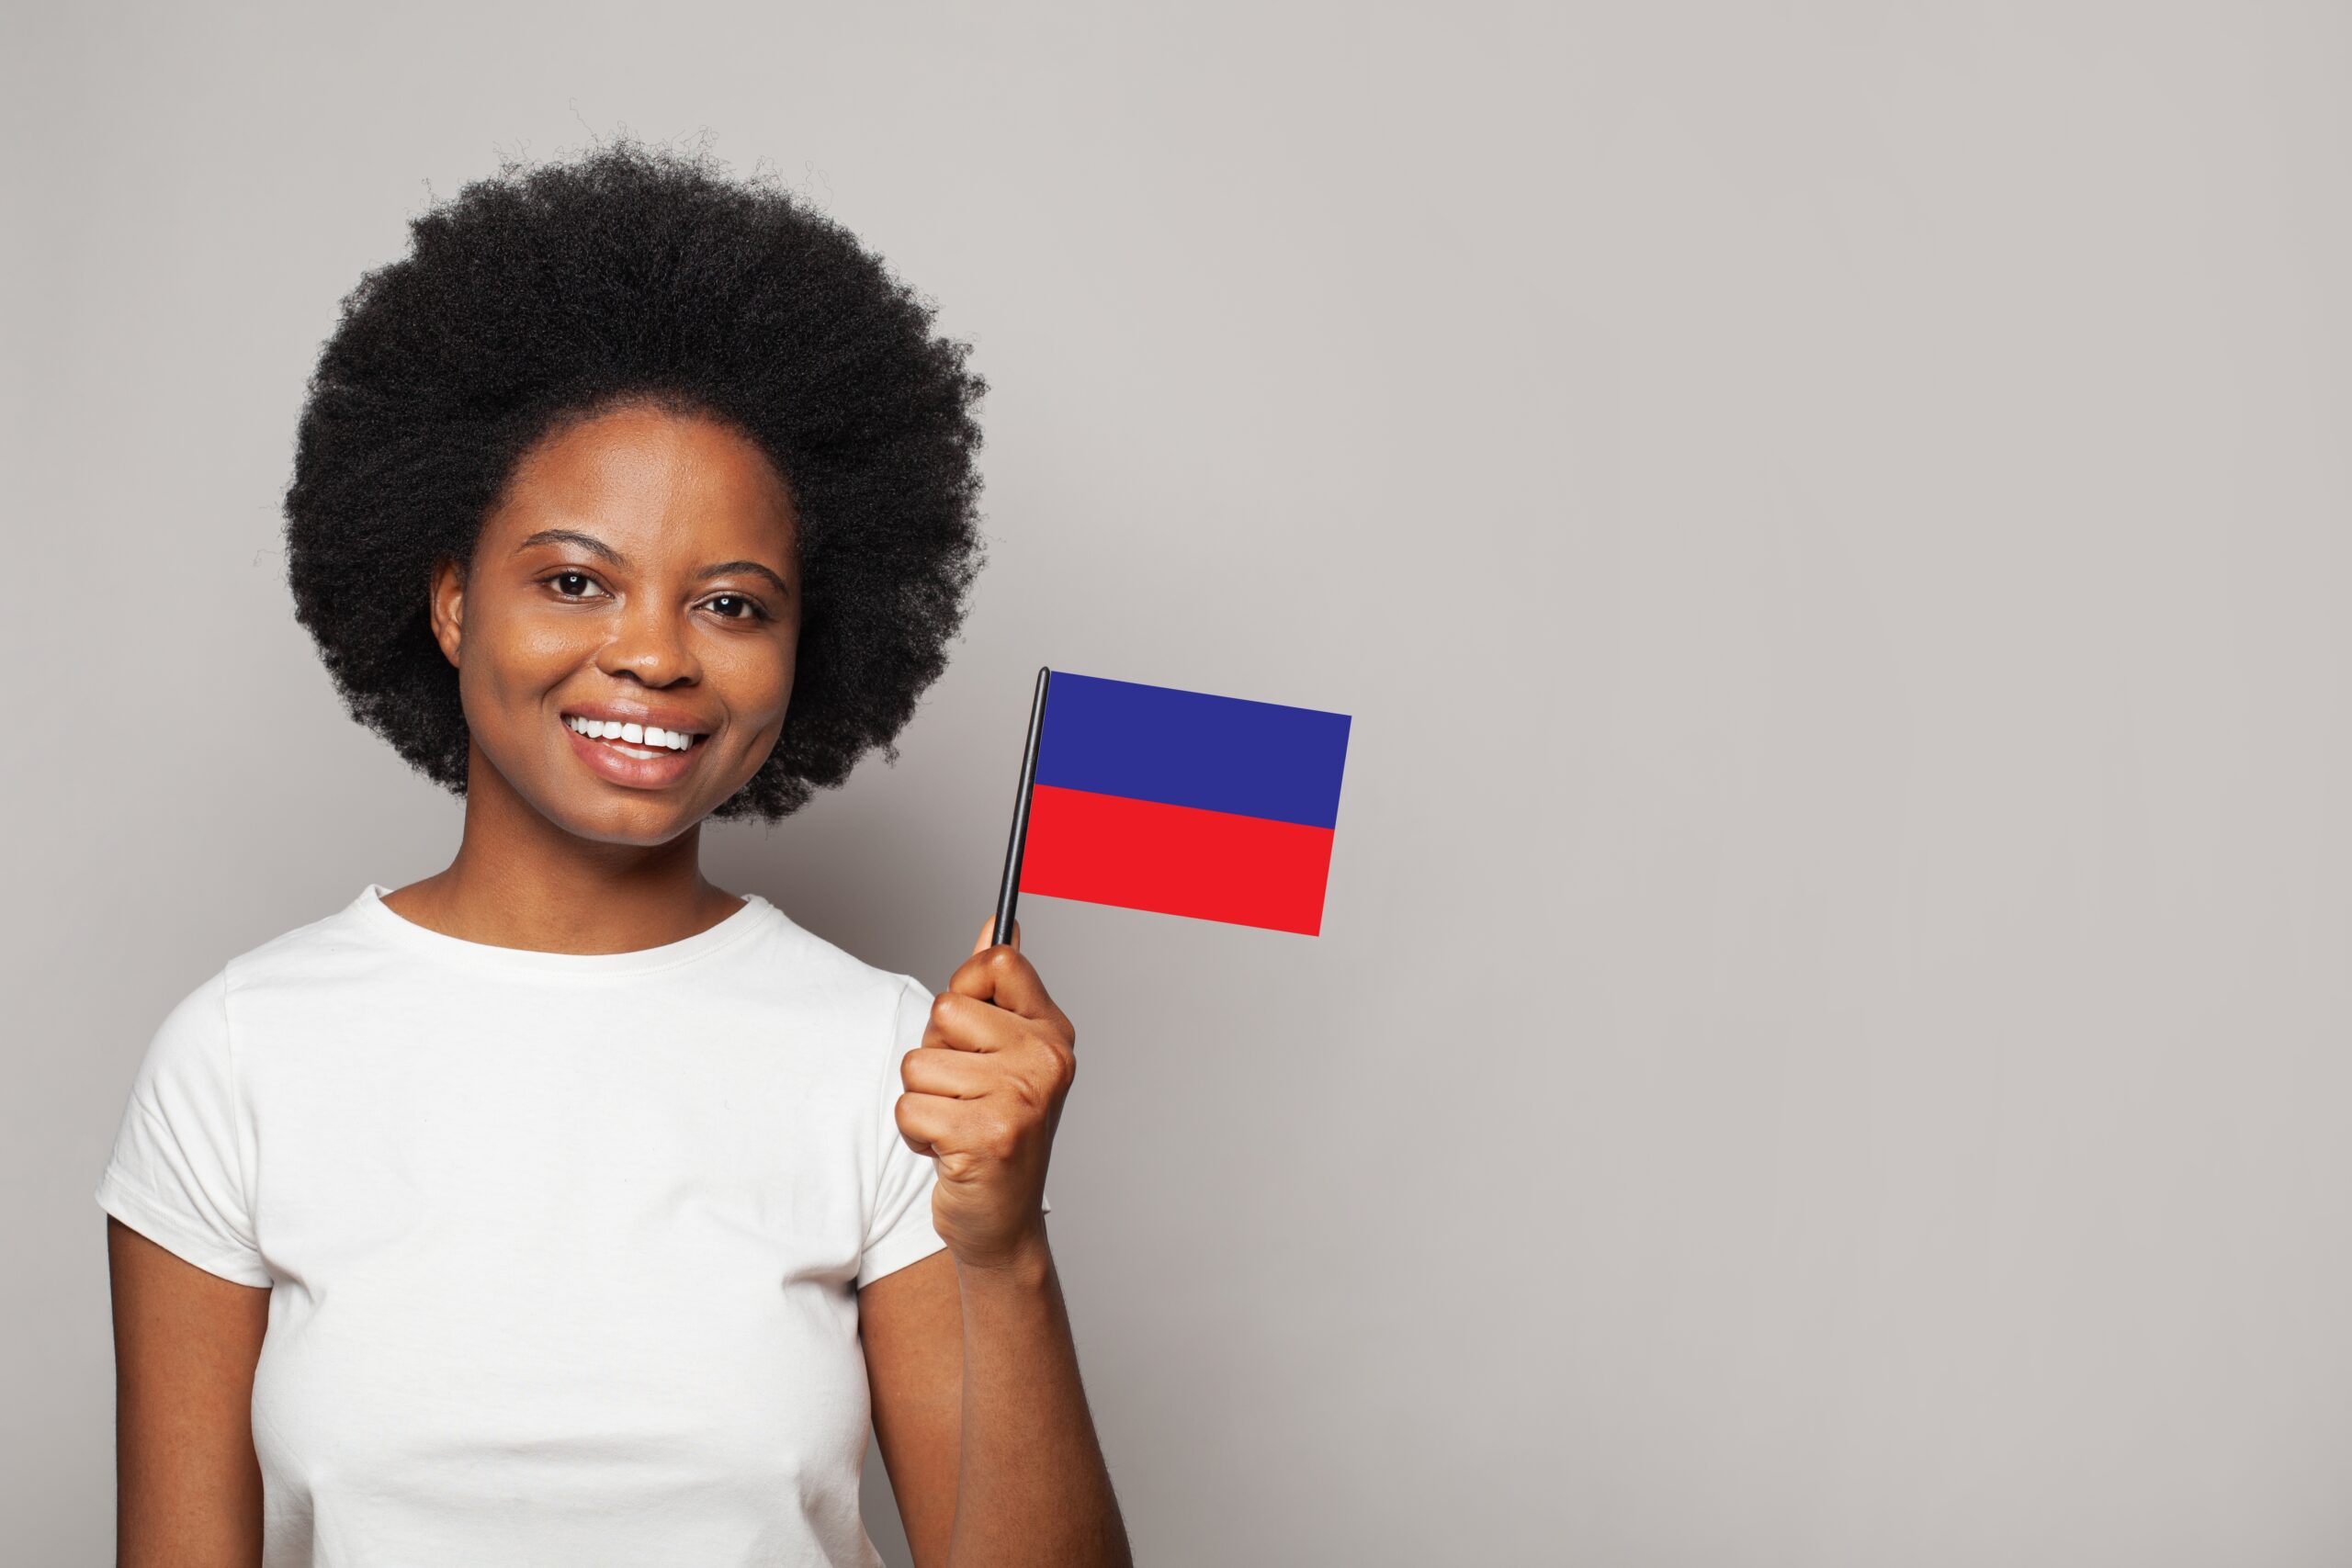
x=187 y=1487
x=910 y=1322
x=981 y=1419
x=970 y=1364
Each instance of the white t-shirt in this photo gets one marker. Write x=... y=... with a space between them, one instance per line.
x=564 y=1248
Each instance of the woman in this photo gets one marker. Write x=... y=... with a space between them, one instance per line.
x=564 y=1207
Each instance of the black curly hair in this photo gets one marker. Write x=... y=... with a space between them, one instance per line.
x=635 y=275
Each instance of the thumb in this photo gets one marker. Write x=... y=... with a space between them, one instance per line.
x=988 y=929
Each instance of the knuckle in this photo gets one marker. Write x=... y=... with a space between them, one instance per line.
x=1001 y=1138
x=1050 y=1077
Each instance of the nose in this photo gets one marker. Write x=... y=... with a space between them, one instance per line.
x=648 y=642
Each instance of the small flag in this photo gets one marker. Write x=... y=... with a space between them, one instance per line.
x=1149 y=797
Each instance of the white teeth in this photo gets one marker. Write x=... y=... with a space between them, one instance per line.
x=634 y=734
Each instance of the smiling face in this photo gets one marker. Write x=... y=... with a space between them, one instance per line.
x=641 y=570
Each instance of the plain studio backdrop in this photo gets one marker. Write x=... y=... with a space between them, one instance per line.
x=1829 y=1040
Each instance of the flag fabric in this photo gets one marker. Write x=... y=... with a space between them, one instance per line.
x=1150 y=797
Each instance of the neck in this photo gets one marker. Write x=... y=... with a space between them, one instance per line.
x=519 y=880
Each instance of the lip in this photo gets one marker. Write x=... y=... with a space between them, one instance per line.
x=618 y=767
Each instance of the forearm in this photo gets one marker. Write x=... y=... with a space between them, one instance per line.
x=1032 y=1487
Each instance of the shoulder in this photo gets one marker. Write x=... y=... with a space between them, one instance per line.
x=864 y=1011
x=197 y=1025
x=222 y=1026
x=819 y=970
x=318 y=949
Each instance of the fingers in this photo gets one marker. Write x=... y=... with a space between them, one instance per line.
x=960 y=1022
x=945 y=1072
x=923 y=1118
x=959 y=1131
x=963 y=1129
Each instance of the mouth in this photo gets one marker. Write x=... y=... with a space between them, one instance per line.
x=639 y=756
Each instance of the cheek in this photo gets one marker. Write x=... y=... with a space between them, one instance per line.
x=755 y=683
x=508 y=665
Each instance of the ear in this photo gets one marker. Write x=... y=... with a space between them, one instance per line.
x=447 y=604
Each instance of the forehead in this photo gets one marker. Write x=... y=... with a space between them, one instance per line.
x=651 y=483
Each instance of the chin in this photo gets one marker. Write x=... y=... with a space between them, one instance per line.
x=641 y=823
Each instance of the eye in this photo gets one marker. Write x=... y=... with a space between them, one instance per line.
x=751 y=610
x=561 y=578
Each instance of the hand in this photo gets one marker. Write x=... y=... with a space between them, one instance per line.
x=984 y=1094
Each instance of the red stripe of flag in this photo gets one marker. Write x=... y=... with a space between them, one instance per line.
x=1175 y=859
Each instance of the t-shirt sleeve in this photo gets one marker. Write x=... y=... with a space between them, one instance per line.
x=177 y=1174
x=899 y=1231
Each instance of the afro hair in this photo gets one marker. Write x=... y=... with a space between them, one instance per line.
x=634 y=274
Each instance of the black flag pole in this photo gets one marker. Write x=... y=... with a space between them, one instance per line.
x=1011 y=891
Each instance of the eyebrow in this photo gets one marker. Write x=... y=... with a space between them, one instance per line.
x=604 y=552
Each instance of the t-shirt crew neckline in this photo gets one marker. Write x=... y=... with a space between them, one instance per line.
x=383 y=922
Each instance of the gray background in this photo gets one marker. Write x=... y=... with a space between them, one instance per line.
x=1828 y=1045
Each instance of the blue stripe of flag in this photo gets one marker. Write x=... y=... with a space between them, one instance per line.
x=1191 y=749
